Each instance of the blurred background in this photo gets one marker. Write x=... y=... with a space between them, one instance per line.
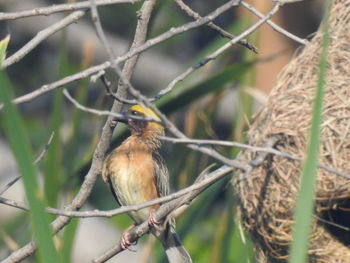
x=218 y=101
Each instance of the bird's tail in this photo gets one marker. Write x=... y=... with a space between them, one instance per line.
x=175 y=251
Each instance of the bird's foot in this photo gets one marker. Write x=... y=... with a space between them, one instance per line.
x=125 y=242
x=152 y=221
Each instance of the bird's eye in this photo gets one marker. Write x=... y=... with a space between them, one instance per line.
x=134 y=113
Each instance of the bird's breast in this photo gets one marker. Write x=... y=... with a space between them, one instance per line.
x=132 y=177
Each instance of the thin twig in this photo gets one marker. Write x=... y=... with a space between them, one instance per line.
x=261 y=156
x=221 y=31
x=124 y=80
x=274 y=26
x=200 y=184
x=37 y=160
x=43 y=152
x=9 y=184
x=99 y=30
x=44 y=11
x=331 y=223
x=41 y=36
x=265 y=149
x=105 y=113
x=14 y=203
x=111 y=93
x=90 y=110
x=134 y=51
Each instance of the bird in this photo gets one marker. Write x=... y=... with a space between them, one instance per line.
x=136 y=173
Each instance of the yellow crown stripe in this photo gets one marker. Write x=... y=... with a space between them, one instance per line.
x=148 y=112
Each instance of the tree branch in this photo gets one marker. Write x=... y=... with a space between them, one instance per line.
x=37 y=160
x=266 y=149
x=221 y=31
x=44 y=11
x=41 y=36
x=105 y=113
x=274 y=26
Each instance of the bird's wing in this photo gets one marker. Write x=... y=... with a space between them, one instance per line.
x=107 y=179
x=161 y=174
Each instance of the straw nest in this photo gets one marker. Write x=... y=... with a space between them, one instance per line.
x=267 y=196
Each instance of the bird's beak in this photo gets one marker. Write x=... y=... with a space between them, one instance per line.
x=122 y=119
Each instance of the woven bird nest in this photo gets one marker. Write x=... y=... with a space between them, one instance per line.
x=267 y=196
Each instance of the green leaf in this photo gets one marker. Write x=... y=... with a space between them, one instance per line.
x=305 y=202
x=19 y=142
x=53 y=162
x=68 y=239
x=3 y=47
x=54 y=172
x=236 y=245
x=72 y=159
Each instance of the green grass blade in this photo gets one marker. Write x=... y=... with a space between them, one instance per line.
x=236 y=245
x=53 y=162
x=3 y=46
x=305 y=202
x=54 y=172
x=68 y=239
x=18 y=139
x=73 y=157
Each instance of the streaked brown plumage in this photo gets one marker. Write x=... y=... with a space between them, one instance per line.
x=137 y=173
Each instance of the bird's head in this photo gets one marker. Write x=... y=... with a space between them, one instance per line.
x=141 y=126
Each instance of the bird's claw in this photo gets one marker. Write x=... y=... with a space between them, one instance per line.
x=152 y=221
x=125 y=242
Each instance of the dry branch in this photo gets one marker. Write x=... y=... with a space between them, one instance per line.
x=43 y=35
x=45 y=11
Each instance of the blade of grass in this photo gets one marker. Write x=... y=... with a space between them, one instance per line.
x=18 y=139
x=305 y=202
x=54 y=172
x=3 y=46
x=73 y=155
x=53 y=163
x=238 y=244
x=68 y=239
x=218 y=236
x=67 y=156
